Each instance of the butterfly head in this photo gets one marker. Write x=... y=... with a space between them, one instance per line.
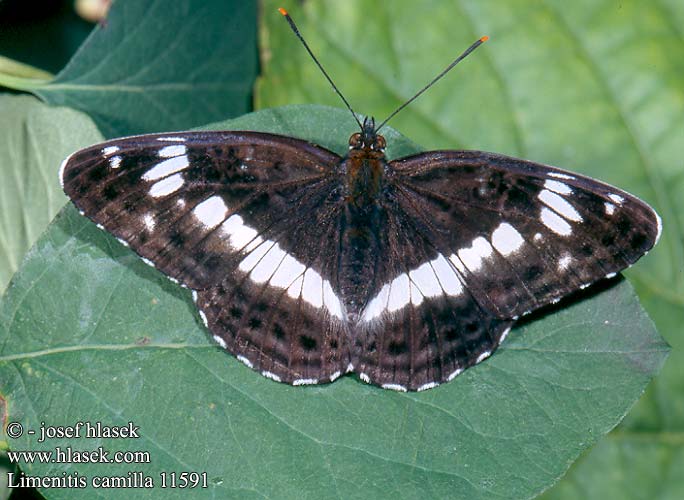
x=368 y=139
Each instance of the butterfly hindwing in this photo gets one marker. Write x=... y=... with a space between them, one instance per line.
x=421 y=326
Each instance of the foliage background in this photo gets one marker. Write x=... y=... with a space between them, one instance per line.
x=593 y=86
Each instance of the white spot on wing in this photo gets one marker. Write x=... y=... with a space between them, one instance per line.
x=166 y=167
x=295 y=289
x=211 y=212
x=332 y=301
x=305 y=381
x=446 y=275
x=194 y=295
x=240 y=235
x=399 y=295
x=394 y=387
x=115 y=161
x=414 y=292
x=558 y=175
x=312 y=289
x=253 y=258
x=220 y=341
x=271 y=375
x=364 y=377
x=610 y=208
x=557 y=187
x=616 y=198
x=244 y=360
x=473 y=257
x=564 y=262
x=482 y=356
x=611 y=275
x=171 y=151
x=268 y=265
x=506 y=239
x=148 y=220
x=167 y=186
x=659 y=222
x=376 y=306
x=504 y=334
x=429 y=385
x=555 y=222
x=426 y=280
x=430 y=279
x=171 y=139
x=335 y=375
x=61 y=169
x=288 y=271
x=204 y=318
x=560 y=205
x=110 y=150
x=454 y=374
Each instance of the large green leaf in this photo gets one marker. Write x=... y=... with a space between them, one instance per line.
x=161 y=65
x=89 y=332
x=35 y=139
x=592 y=85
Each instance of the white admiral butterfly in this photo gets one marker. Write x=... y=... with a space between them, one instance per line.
x=306 y=265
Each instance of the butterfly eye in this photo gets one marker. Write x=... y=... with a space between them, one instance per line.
x=355 y=141
x=380 y=143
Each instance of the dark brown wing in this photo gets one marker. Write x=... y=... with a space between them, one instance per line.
x=521 y=234
x=475 y=240
x=421 y=325
x=242 y=218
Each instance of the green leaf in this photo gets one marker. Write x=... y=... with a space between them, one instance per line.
x=35 y=139
x=162 y=65
x=657 y=457
x=89 y=332
x=16 y=69
x=593 y=86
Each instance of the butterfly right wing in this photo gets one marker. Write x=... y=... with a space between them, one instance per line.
x=520 y=234
x=472 y=241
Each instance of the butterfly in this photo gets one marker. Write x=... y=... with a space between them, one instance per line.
x=307 y=265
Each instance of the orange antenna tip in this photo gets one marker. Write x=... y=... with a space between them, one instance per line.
x=282 y=11
x=484 y=38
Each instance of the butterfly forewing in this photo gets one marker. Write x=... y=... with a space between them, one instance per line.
x=177 y=200
x=521 y=234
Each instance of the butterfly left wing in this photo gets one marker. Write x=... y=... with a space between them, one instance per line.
x=521 y=234
x=244 y=219
x=154 y=193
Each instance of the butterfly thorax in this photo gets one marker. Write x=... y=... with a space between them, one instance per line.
x=364 y=166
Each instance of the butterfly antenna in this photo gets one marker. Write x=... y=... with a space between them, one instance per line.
x=446 y=70
x=306 y=46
